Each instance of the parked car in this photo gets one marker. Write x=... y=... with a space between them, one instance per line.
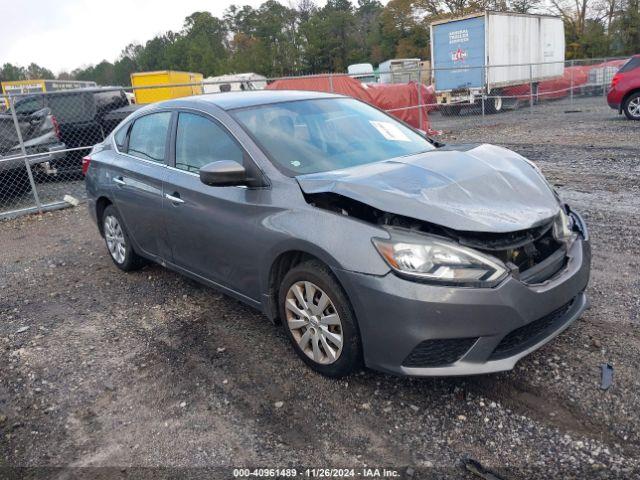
x=624 y=93
x=42 y=144
x=80 y=115
x=367 y=240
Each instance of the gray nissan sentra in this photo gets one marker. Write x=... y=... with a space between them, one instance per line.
x=372 y=244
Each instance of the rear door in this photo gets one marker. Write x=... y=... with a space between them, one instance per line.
x=137 y=180
x=212 y=230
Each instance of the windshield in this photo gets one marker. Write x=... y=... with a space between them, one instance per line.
x=311 y=136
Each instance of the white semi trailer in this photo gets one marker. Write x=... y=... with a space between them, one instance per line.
x=484 y=53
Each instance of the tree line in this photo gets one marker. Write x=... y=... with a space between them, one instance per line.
x=277 y=40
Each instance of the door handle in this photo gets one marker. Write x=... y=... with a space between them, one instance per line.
x=175 y=198
x=119 y=181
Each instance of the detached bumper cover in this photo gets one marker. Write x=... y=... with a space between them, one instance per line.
x=493 y=327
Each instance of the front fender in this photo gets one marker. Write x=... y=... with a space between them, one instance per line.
x=339 y=241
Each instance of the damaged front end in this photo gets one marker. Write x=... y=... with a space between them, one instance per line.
x=436 y=254
x=464 y=215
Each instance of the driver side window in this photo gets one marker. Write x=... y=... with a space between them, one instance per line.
x=200 y=141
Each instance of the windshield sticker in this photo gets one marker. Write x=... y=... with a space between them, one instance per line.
x=390 y=131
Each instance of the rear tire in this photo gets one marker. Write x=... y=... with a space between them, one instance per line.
x=631 y=107
x=495 y=104
x=319 y=321
x=118 y=241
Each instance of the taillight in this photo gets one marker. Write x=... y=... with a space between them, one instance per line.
x=56 y=126
x=86 y=161
x=615 y=80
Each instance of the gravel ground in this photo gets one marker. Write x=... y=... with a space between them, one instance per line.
x=106 y=369
x=50 y=190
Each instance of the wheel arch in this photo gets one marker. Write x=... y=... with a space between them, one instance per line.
x=626 y=97
x=101 y=204
x=283 y=260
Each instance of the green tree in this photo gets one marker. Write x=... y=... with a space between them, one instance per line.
x=201 y=46
x=36 y=72
x=368 y=32
x=10 y=72
x=405 y=28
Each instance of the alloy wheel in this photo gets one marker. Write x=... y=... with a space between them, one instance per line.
x=314 y=322
x=634 y=107
x=114 y=237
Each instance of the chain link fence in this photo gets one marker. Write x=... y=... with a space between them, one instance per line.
x=44 y=135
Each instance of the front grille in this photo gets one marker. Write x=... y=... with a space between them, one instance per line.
x=528 y=334
x=438 y=352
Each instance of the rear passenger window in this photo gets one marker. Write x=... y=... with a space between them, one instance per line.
x=200 y=141
x=148 y=136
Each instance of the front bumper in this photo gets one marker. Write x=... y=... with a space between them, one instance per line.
x=614 y=99
x=613 y=105
x=397 y=315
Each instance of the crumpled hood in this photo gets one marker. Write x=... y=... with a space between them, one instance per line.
x=481 y=188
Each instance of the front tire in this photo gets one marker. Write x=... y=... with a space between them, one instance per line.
x=118 y=242
x=319 y=321
x=632 y=107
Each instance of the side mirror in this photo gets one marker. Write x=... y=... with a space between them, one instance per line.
x=223 y=173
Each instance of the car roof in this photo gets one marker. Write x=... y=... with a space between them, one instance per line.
x=232 y=100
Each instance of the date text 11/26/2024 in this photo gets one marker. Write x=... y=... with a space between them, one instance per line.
x=316 y=473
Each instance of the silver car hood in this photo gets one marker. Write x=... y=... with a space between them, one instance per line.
x=481 y=188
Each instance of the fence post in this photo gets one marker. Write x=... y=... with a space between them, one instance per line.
x=530 y=88
x=571 y=94
x=484 y=90
x=24 y=153
x=420 y=99
x=604 y=79
x=331 y=82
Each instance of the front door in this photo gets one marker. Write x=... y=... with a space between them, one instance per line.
x=212 y=230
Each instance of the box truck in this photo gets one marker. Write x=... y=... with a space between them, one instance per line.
x=178 y=84
x=21 y=87
x=482 y=53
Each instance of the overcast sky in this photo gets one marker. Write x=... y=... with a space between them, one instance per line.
x=66 y=34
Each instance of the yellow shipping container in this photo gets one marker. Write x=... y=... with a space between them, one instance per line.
x=165 y=77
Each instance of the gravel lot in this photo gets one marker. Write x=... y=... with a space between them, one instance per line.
x=102 y=368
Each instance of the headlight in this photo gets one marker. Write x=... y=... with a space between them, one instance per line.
x=563 y=227
x=436 y=260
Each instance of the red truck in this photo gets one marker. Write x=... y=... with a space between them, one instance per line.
x=624 y=92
